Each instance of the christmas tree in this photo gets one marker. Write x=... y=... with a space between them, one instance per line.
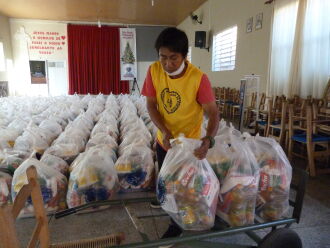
x=128 y=57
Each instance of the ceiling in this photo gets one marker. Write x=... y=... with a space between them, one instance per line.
x=163 y=12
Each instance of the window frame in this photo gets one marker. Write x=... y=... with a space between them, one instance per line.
x=224 y=55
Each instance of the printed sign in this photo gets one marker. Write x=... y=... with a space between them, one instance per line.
x=47 y=42
x=128 y=68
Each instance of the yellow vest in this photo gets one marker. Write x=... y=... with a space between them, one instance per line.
x=177 y=101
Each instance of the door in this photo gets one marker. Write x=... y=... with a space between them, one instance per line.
x=57 y=78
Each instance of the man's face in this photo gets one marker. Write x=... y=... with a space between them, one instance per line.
x=171 y=61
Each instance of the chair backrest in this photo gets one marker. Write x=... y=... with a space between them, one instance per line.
x=8 y=214
x=262 y=101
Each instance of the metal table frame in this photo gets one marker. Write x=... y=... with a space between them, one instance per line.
x=220 y=229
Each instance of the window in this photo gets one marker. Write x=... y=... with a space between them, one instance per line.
x=2 y=58
x=189 y=54
x=224 y=50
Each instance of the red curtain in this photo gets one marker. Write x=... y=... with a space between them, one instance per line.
x=94 y=64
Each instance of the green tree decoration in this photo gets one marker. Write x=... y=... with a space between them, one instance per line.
x=128 y=57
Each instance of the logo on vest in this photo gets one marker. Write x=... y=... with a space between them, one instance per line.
x=171 y=100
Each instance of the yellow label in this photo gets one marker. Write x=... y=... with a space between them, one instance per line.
x=11 y=143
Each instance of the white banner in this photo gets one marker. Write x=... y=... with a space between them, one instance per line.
x=128 y=68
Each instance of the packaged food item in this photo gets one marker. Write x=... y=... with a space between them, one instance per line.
x=275 y=178
x=187 y=187
x=52 y=183
x=5 y=186
x=135 y=167
x=239 y=182
x=93 y=177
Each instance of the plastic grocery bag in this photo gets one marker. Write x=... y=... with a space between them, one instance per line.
x=187 y=187
x=52 y=183
x=105 y=128
x=9 y=161
x=56 y=163
x=102 y=139
x=223 y=155
x=275 y=178
x=93 y=177
x=7 y=138
x=134 y=137
x=220 y=158
x=135 y=167
x=5 y=185
x=239 y=183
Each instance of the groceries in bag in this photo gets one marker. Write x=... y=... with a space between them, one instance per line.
x=187 y=187
x=275 y=178
x=135 y=167
x=239 y=184
x=93 y=177
x=52 y=183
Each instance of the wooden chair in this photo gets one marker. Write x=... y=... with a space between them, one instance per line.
x=9 y=213
x=262 y=119
x=235 y=106
x=224 y=99
x=324 y=111
x=248 y=111
x=252 y=112
x=229 y=101
x=311 y=139
x=277 y=125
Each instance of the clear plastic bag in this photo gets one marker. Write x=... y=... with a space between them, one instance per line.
x=67 y=152
x=220 y=158
x=52 y=183
x=133 y=137
x=24 y=143
x=135 y=167
x=275 y=178
x=104 y=128
x=239 y=187
x=7 y=138
x=187 y=187
x=102 y=139
x=52 y=126
x=93 y=177
x=9 y=161
x=56 y=163
x=5 y=186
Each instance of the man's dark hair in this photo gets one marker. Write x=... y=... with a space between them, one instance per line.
x=174 y=39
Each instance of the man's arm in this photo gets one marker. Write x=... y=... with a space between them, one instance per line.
x=212 y=127
x=158 y=121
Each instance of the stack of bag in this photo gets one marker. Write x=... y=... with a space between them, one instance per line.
x=135 y=165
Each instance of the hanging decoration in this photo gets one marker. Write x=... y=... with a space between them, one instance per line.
x=128 y=67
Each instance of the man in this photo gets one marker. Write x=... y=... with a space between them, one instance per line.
x=177 y=95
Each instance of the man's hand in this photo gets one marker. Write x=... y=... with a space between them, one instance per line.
x=201 y=152
x=166 y=140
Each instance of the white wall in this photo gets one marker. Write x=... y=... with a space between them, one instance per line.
x=36 y=44
x=5 y=39
x=252 y=48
